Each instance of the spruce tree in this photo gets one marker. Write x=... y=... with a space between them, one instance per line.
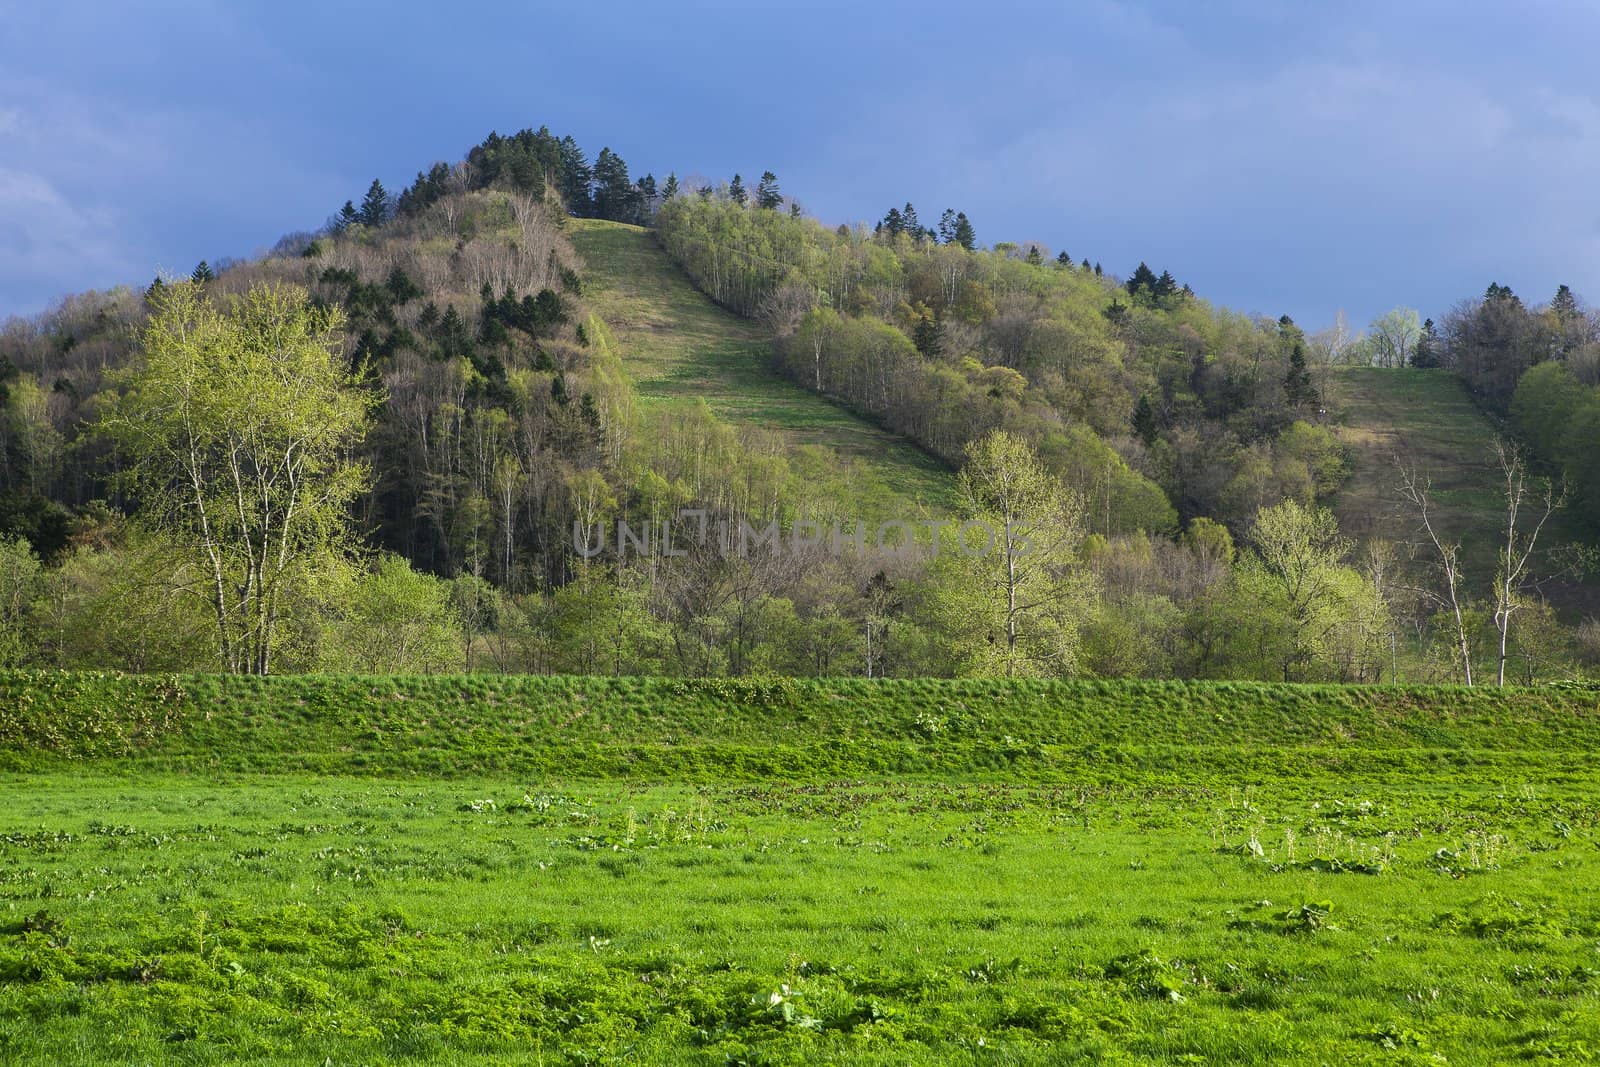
x=1142 y=281
x=375 y=205
x=768 y=197
x=1035 y=259
x=1064 y=260
x=893 y=223
x=908 y=218
x=203 y=273
x=1297 y=386
x=1144 y=420
x=1565 y=305
x=670 y=190
x=928 y=334
x=347 y=217
x=947 y=226
x=794 y=209
x=736 y=191
x=965 y=237
x=574 y=178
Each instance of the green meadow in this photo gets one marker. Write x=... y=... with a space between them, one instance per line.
x=568 y=870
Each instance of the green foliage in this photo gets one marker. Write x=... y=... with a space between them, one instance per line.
x=237 y=427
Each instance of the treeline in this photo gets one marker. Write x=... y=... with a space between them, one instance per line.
x=1147 y=400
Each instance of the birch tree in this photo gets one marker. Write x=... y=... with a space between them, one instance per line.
x=238 y=426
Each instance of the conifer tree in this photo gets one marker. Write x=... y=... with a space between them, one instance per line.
x=575 y=176
x=965 y=237
x=767 y=195
x=1144 y=420
x=1426 y=352
x=1063 y=259
x=375 y=205
x=947 y=226
x=348 y=216
x=203 y=273
x=912 y=225
x=736 y=191
x=1142 y=280
x=670 y=190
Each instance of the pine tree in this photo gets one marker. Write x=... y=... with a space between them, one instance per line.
x=1166 y=285
x=947 y=226
x=1144 y=420
x=670 y=190
x=768 y=197
x=736 y=191
x=375 y=205
x=1085 y=263
x=893 y=223
x=347 y=217
x=203 y=273
x=1035 y=259
x=1064 y=260
x=965 y=237
x=1098 y=272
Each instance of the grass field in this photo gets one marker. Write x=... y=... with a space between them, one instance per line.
x=679 y=347
x=552 y=871
x=1426 y=418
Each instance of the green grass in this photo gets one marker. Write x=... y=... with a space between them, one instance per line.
x=679 y=347
x=569 y=870
x=1427 y=419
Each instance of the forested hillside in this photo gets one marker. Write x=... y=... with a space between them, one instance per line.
x=591 y=423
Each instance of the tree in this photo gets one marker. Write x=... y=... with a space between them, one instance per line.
x=1512 y=576
x=615 y=197
x=202 y=273
x=768 y=197
x=670 y=189
x=1298 y=387
x=1426 y=352
x=237 y=429
x=375 y=206
x=736 y=191
x=1142 y=281
x=1144 y=420
x=1017 y=602
x=947 y=226
x=393 y=620
x=347 y=217
x=964 y=234
x=1392 y=341
x=21 y=583
x=1416 y=490
x=1298 y=552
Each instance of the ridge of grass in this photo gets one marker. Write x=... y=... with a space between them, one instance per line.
x=806 y=729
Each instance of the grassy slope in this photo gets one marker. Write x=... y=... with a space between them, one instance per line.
x=795 y=729
x=680 y=347
x=1426 y=418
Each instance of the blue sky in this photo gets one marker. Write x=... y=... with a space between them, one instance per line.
x=1349 y=155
